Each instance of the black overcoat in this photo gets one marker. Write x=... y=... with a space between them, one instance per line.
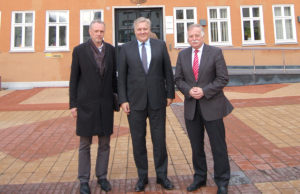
x=91 y=93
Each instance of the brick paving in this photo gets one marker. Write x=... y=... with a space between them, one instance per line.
x=38 y=145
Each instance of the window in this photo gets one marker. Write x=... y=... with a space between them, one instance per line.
x=219 y=27
x=57 y=30
x=284 y=24
x=183 y=18
x=22 y=31
x=252 y=25
x=86 y=17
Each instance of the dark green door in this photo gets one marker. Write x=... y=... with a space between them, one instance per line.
x=124 y=23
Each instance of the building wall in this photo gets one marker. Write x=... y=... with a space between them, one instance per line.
x=41 y=65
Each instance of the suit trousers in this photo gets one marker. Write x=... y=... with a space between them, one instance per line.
x=216 y=133
x=84 y=158
x=137 y=122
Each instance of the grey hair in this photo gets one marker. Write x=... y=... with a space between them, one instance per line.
x=140 y=20
x=197 y=26
x=96 y=21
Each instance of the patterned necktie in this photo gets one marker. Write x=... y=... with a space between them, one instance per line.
x=196 y=65
x=144 y=57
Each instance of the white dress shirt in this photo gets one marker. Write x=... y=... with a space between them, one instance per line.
x=100 y=48
x=148 y=50
x=199 y=55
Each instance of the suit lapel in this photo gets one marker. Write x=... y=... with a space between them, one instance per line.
x=90 y=54
x=106 y=57
x=203 y=63
x=135 y=50
x=189 y=62
x=152 y=45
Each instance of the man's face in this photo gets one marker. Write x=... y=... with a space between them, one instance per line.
x=142 y=31
x=97 y=33
x=195 y=38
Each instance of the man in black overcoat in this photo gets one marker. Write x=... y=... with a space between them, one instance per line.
x=93 y=83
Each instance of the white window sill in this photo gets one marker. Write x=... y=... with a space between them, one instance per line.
x=181 y=46
x=22 y=51
x=253 y=44
x=281 y=43
x=221 y=44
x=56 y=50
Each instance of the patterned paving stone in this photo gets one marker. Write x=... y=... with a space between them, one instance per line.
x=38 y=147
x=238 y=178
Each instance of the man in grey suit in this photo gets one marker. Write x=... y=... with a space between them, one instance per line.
x=93 y=81
x=201 y=74
x=146 y=87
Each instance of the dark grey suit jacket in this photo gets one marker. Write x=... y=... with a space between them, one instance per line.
x=213 y=77
x=141 y=89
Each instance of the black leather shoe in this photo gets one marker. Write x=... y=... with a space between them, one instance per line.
x=85 y=188
x=222 y=190
x=140 y=185
x=196 y=185
x=104 y=184
x=165 y=183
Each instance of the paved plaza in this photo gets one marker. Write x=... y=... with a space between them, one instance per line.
x=39 y=148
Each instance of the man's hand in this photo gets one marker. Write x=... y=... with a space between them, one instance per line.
x=196 y=92
x=74 y=112
x=125 y=107
x=169 y=101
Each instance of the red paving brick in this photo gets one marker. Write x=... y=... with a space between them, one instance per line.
x=11 y=102
x=32 y=141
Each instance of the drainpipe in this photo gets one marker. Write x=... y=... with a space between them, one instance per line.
x=283 y=61
x=253 y=61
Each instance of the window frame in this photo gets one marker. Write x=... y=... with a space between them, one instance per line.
x=57 y=24
x=81 y=19
x=23 y=48
x=219 y=20
x=251 y=19
x=292 y=17
x=185 y=21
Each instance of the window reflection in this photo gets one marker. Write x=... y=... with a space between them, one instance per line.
x=18 y=18
x=52 y=36
x=18 y=36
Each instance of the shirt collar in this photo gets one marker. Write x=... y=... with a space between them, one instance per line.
x=146 y=43
x=200 y=49
x=100 y=48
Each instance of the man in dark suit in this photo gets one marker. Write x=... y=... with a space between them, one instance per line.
x=92 y=84
x=146 y=87
x=201 y=74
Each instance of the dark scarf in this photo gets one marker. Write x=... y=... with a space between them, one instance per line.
x=99 y=56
